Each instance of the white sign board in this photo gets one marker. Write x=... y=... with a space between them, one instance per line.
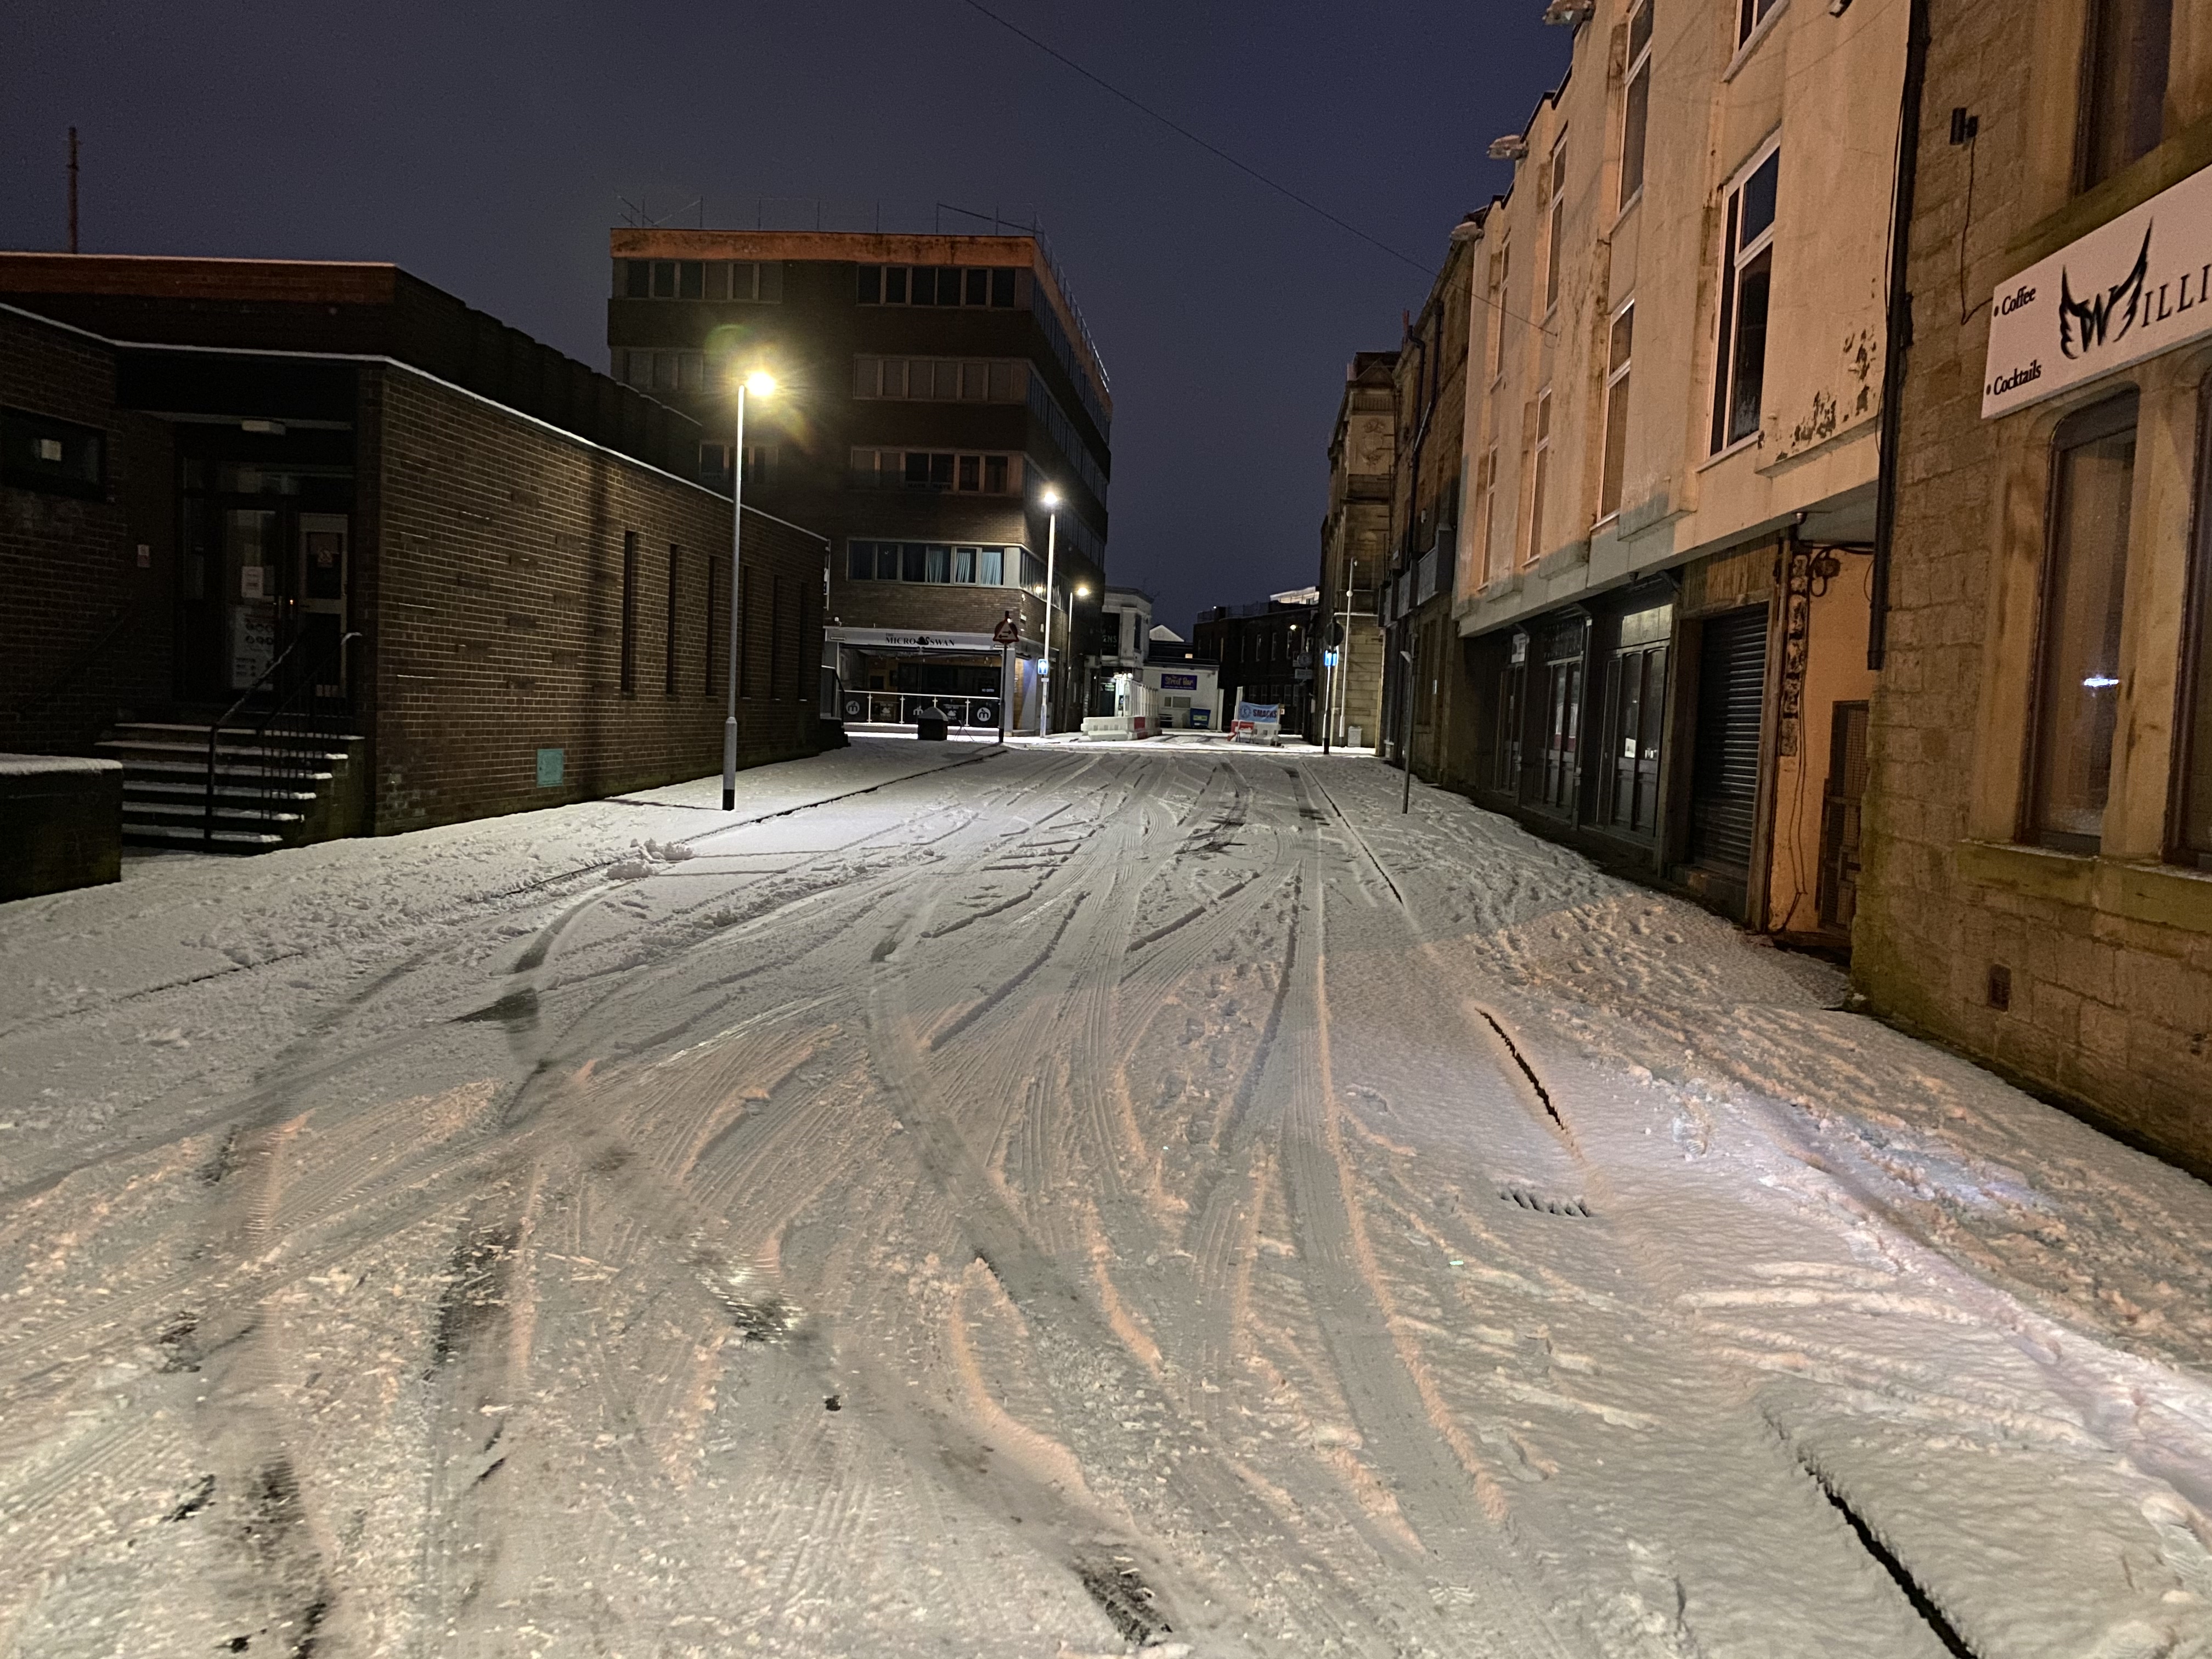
x=2127 y=290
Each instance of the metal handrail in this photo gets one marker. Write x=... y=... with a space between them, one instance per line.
x=259 y=733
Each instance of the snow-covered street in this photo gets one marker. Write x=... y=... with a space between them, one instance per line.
x=1050 y=1202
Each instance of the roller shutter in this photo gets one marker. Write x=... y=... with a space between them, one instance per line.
x=1724 y=773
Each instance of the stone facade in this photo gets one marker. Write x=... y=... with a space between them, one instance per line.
x=2082 y=967
x=1355 y=543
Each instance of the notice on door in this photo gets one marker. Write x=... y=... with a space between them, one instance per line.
x=252 y=643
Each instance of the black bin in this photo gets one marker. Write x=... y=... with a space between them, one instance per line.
x=929 y=723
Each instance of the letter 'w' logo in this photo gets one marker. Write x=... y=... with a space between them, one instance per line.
x=2085 y=323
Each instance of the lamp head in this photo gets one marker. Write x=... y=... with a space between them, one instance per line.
x=1050 y=500
x=760 y=383
x=1081 y=591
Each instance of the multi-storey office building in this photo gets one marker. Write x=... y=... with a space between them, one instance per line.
x=2038 y=875
x=1355 y=544
x=933 y=393
x=1671 y=450
x=1422 y=688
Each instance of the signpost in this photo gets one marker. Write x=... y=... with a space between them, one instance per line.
x=1007 y=636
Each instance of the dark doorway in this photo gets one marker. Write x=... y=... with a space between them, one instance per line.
x=1840 y=819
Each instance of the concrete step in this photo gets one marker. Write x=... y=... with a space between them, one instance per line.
x=182 y=810
x=123 y=747
x=135 y=788
x=149 y=768
x=244 y=840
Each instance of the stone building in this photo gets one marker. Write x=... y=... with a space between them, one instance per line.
x=419 y=567
x=937 y=395
x=1355 y=545
x=1423 y=684
x=1671 y=449
x=2038 y=886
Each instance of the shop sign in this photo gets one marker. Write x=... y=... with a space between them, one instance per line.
x=1178 y=682
x=2129 y=289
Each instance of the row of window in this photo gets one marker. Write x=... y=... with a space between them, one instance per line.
x=952 y=471
x=699 y=279
x=663 y=371
x=929 y=561
x=777 y=613
x=989 y=286
x=942 y=379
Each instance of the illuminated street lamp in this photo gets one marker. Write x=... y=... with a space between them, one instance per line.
x=1050 y=502
x=760 y=384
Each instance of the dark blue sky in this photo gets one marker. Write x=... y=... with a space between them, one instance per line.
x=484 y=146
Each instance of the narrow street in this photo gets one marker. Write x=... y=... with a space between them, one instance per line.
x=1050 y=1202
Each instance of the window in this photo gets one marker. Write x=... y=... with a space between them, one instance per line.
x=929 y=561
x=699 y=279
x=1494 y=352
x=1512 y=682
x=2193 y=788
x=717 y=605
x=943 y=380
x=989 y=286
x=2124 y=62
x=1749 y=15
x=2078 y=667
x=1539 y=473
x=937 y=469
x=749 y=631
x=1616 y=412
x=59 y=458
x=760 y=463
x=666 y=371
x=776 y=647
x=1563 y=719
x=1747 y=277
x=1486 y=495
x=629 y=614
x=675 y=575
x=1554 y=223
x=1636 y=105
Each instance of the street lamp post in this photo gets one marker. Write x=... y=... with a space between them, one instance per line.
x=760 y=385
x=1050 y=502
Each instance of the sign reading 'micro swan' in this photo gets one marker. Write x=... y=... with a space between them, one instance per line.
x=2127 y=290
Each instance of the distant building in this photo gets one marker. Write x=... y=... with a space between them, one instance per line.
x=1424 y=706
x=421 y=566
x=1267 y=654
x=931 y=390
x=1185 y=684
x=1125 y=618
x=1355 y=537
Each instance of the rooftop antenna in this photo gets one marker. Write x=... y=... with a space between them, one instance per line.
x=72 y=190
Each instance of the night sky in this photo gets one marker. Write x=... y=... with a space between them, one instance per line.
x=484 y=147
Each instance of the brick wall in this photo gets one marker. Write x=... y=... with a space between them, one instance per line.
x=496 y=588
x=77 y=611
x=2103 y=964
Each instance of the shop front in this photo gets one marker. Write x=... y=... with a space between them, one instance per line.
x=885 y=677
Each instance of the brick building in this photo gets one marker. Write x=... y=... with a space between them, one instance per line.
x=2038 y=886
x=934 y=394
x=1355 y=544
x=1265 y=653
x=462 y=570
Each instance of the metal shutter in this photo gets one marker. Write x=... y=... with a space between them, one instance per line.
x=1724 y=773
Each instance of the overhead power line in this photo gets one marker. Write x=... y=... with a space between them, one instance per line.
x=1180 y=130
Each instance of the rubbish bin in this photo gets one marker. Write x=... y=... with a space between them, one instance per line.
x=929 y=723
